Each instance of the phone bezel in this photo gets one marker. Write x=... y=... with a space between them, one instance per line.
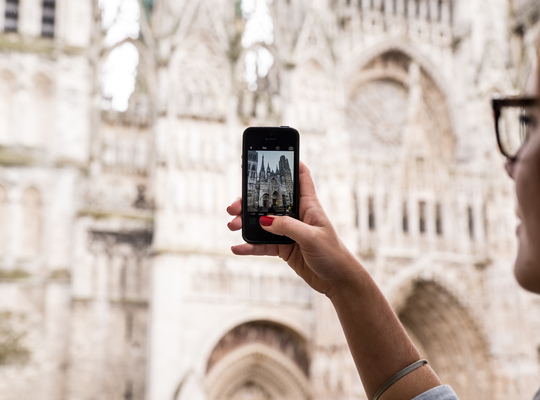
x=254 y=137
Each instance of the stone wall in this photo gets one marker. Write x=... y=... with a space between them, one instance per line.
x=116 y=279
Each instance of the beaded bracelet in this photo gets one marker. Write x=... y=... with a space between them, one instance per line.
x=398 y=376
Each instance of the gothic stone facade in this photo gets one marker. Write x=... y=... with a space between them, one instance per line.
x=269 y=189
x=116 y=279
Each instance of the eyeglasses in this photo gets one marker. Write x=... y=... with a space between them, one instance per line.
x=513 y=122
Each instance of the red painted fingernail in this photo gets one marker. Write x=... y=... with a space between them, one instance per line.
x=266 y=221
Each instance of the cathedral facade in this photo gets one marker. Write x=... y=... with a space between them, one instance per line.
x=269 y=190
x=116 y=278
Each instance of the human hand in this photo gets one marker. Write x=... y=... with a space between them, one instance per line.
x=318 y=256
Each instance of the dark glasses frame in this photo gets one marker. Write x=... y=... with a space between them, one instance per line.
x=498 y=103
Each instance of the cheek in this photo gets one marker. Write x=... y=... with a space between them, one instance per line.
x=526 y=271
x=527 y=179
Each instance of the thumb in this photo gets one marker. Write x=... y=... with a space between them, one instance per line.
x=286 y=226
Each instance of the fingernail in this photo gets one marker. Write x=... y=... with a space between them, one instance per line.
x=266 y=221
x=228 y=208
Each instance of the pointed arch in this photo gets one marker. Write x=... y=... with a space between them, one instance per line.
x=259 y=357
x=146 y=62
x=451 y=339
x=260 y=103
x=446 y=328
x=119 y=75
x=228 y=322
x=196 y=16
x=313 y=42
x=256 y=370
x=200 y=72
x=42 y=124
x=363 y=58
x=417 y=96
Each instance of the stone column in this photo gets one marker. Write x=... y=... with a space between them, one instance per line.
x=165 y=364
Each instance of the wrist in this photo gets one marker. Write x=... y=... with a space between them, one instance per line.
x=351 y=281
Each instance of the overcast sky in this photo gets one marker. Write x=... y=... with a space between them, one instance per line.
x=121 y=21
x=272 y=158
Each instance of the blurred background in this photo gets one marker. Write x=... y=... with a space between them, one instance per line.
x=120 y=133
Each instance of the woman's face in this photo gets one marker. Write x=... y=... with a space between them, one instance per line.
x=525 y=172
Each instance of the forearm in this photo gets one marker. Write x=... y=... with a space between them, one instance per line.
x=377 y=340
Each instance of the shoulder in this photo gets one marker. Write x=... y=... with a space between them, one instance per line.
x=443 y=392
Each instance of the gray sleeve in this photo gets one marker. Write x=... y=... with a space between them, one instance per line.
x=443 y=392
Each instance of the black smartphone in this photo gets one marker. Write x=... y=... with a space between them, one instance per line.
x=270 y=160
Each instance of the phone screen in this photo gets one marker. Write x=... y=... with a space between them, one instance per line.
x=270 y=179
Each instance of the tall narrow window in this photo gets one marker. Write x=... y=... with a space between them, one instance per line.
x=371 y=214
x=405 y=217
x=3 y=218
x=123 y=278
x=470 y=217
x=129 y=324
x=422 y=217
x=47 y=18
x=43 y=115
x=8 y=92
x=356 y=211
x=438 y=220
x=119 y=77
x=32 y=215
x=11 y=16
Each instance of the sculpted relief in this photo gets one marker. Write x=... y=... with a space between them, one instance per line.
x=397 y=106
x=271 y=335
x=378 y=111
x=250 y=391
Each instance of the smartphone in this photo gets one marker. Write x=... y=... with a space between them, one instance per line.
x=270 y=160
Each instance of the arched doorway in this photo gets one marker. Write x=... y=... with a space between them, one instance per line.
x=450 y=338
x=259 y=360
x=275 y=199
x=265 y=201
